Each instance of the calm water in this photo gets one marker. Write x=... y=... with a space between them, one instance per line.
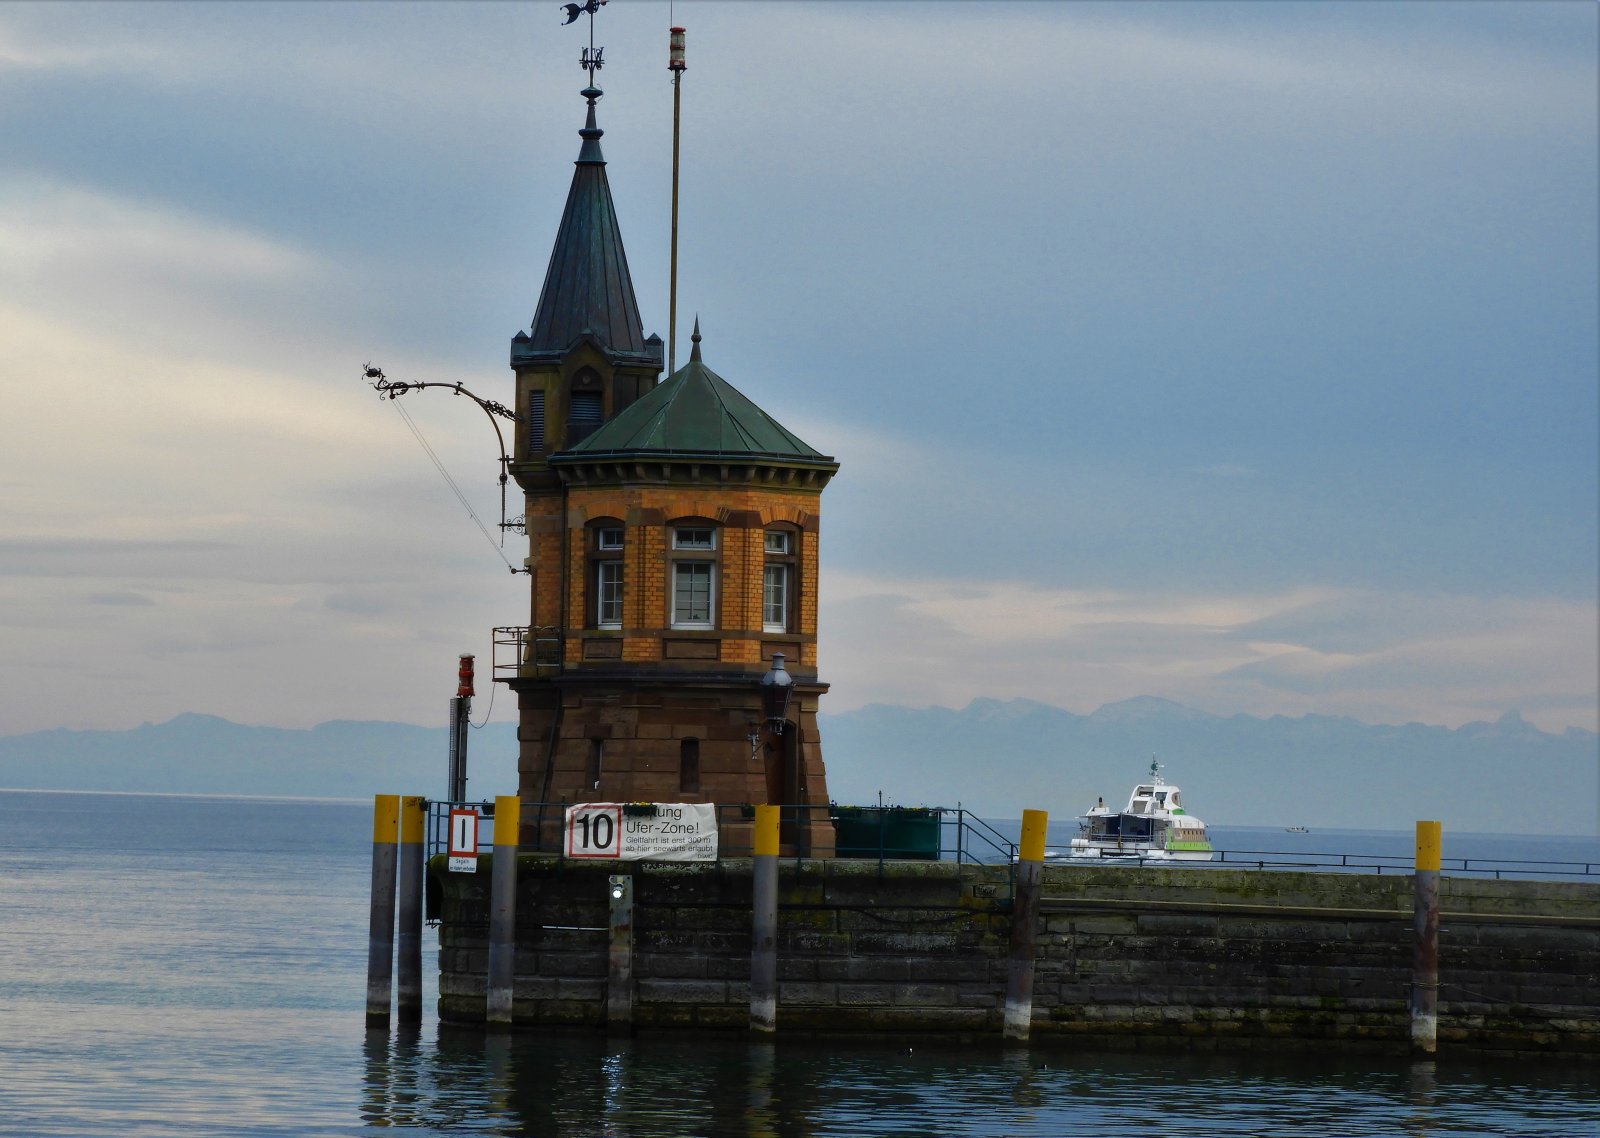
x=182 y=966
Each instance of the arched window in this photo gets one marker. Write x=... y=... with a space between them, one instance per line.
x=689 y=766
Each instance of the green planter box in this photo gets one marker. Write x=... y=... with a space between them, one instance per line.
x=890 y=831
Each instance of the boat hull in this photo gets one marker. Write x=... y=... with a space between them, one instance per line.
x=1093 y=851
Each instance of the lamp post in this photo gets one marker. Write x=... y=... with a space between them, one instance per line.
x=776 y=688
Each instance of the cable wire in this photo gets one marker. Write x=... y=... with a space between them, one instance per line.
x=480 y=726
x=451 y=482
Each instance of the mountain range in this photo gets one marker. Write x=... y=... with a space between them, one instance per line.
x=993 y=757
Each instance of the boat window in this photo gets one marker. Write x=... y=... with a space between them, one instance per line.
x=1175 y=798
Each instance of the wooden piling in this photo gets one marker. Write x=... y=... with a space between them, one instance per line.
x=1024 y=926
x=764 y=927
x=1425 y=953
x=380 y=927
x=408 y=938
x=503 y=912
x=619 y=958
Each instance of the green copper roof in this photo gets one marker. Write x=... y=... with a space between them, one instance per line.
x=587 y=288
x=695 y=414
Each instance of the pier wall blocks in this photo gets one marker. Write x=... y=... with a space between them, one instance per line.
x=1126 y=958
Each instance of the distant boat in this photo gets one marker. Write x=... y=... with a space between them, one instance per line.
x=1295 y=830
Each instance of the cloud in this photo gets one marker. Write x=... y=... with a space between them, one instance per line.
x=1136 y=345
x=135 y=600
x=947 y=641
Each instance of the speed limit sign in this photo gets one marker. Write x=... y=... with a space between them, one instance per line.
x=595 y=830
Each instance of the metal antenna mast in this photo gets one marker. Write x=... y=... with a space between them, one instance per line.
x=675 y=64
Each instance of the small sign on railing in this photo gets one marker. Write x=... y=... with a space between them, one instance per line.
x=463 y=848
x=659 y=831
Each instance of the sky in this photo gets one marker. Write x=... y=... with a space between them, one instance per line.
x=1240 y=354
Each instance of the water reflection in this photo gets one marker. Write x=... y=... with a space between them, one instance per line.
x=1422 y=1085
x=559 y=1084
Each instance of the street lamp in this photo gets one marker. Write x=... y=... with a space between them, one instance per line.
x=776 y=688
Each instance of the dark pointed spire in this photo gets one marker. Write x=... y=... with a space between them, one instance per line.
x=694 y=352
x=587 y=287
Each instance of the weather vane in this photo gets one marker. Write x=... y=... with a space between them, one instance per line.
x=591 y=60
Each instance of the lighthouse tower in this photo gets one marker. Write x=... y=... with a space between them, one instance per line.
x=672 y=553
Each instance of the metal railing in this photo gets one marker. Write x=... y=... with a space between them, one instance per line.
x=954 y=834
x=880 y=833
x=1496 y=868
x=520 y=648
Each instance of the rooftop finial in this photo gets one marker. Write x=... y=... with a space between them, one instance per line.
x=694 y=352
x=592 y=60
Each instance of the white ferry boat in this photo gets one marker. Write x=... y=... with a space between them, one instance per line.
x=1154 y=826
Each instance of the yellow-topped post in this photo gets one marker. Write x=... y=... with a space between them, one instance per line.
x=764 y=918
x=1034 y=825
x=766 y=833
x=1430 y=843
x=503 y=911
x=380 y=928
x=1024 y=925
x=1425 y=927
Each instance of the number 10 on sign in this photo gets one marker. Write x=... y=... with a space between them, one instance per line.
x=594 y=830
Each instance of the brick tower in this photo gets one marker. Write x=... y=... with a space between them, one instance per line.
x=672 y=533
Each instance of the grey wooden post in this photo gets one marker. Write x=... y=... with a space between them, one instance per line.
x=380 y=925
x=764 y=923
x=1425 y=954
x=1024 y=926
x=619 y=960
x=408 y=987
x=503 y=912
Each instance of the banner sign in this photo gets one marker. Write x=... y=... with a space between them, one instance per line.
x=660 y=831
x=463 y=847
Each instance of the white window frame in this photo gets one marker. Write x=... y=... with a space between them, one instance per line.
x=778 y=541
x=778 y=608
x=682 y=540
x=607 y=593
x=691 y=622
x=608 y=537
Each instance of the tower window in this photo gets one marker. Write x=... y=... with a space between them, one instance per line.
x=692 y=589
x=597 y=751
x=605 y=577
x=775 y=598
x=584 y=415
x=535 y=422
x=693 y=537
x=608 y=594
x=692 y=574
x=689 y=766
x=779 y=574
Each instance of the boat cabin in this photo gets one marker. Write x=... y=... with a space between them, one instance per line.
x=1154 y=799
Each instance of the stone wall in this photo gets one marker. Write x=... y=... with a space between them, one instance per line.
x=1126 y=957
